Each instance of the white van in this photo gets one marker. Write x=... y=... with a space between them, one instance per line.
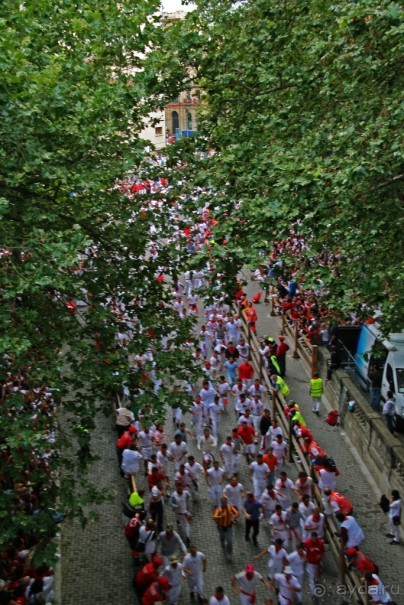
x=388 y=354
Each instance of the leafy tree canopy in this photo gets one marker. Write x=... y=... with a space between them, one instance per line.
x=304 y=109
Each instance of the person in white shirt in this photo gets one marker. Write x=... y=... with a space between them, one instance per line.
x=130 y=461
x=259 y=474
x=306 y=509
x=257 y=411
x=279 y=525
x=314 y=523
x=195 y=562
x=219 y=598
x=223 y=388
x=197 y=416
x=277 y=557
x=394 y=517
x=269 y=500
x=280 y=450
x=214 y=479
x=228 y=456
x=207 y=394
x=163 y=458
x=233 y=330
x=243 y=349
x=234 y=492
x=215 y=411
x=288 y=586
x=178 y=450
x=179 y=502
x=245 y=583
x=285 y=489
x=376 y=590
x=242 y=404
x=145 y=440
x=328 y=479
x=195 y=470
x=304 y=485
x=206 y=445
x=175 y=572
x=296 y=561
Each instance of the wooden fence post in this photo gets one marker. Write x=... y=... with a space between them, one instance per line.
x=314 y=360
x=283 y=330
x=261 y=367
x=274 y=400
x=295 y=353
x=290 y=439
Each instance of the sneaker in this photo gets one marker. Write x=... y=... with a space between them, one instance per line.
x=192 y=595
x=247 y=538
x=389 y=536
x=394 y=542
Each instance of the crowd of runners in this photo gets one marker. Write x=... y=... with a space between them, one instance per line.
x=294 y=522
x=224 y=441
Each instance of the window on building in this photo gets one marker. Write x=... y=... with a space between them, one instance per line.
x=158 y=131
x=189 y=120
x=175 y=121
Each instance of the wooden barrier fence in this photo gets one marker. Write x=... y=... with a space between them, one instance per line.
x=348 y=578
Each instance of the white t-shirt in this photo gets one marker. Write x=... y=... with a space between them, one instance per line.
x=233 y=494
x=296 y=562
x=286 y=585
x=259 y=471
x=179 y=451
x=195 y=563
x=145 y=439
x=247 y=585
x=194 y=470
x=130 y=461
x=215 y=601
x=174 y=574
x=215 y=476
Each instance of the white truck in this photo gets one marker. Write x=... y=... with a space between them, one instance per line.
x=388 y=355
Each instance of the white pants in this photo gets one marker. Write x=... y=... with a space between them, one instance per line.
x=316 y=403
x=182 y=523
x=312 y=572
x=256 y=422
x=195 y=583
x=245 y=599
x=296 y=535
x=215 y=425
x=174 y=594
x=215 y=493
x=284 y=534
x=395 y=531
x=197 y=422
x=259 y=486
x=228 y=466
x=177 y=415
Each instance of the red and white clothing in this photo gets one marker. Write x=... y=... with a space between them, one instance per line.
x=277 y=557
x=286 y=585
x=278 y=523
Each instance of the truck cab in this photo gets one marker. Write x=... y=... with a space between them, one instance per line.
x=388 y=355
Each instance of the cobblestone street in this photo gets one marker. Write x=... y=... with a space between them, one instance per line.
x=96 y=562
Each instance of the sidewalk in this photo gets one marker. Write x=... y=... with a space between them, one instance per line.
x=354 y=480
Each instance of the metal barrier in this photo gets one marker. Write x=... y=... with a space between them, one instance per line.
x=296 y=455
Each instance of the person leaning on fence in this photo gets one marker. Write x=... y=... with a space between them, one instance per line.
x=389 y=411
x=280 y=385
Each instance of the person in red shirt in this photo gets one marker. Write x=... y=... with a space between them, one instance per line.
x=156 y=592
x=156 y=477
x=147 y=575
x=357 y=559
x=247 y=434
x=314 y=551
x=251 y=316
x=246 y=371
x=281 y=351
x=124 y=442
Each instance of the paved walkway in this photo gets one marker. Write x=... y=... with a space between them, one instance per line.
x=96 y=562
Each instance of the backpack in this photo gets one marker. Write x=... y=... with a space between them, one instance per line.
x=332 y=418
x=384 y=504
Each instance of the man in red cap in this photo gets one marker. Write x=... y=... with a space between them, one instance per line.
x=147 y=575
x=357 y=559
x=281 y=351
x=156 y=592
x=245 y=584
